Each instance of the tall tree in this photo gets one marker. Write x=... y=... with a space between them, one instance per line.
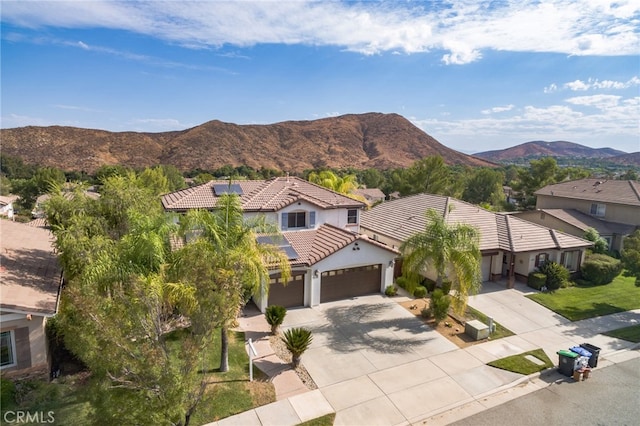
x=227 y=244
x=484 y=186
x=452 y=250
x=540 y=173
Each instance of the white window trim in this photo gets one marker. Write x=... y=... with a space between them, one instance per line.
x=12 y=338
x=356 y=217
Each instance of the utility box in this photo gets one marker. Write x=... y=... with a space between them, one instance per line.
x=476 y=330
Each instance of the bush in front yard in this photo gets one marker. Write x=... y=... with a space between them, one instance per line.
x=408 y=283
x=420 y=292
x=391 y=291
x=557 y=275
x=600 y=269
x=439 y=305
x=446 y=286
x=537 y=280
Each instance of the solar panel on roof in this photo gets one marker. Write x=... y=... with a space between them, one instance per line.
x=282 y=243
x=224 y=188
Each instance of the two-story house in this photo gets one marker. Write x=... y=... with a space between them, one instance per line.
x=511 y=248
x=612 y=207
x=329 y=259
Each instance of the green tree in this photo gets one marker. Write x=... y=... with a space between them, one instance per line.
x=452 y=250
x=540 y=173
x=429 y=175
x=599 y=244
x=239 y=264
x=484 y=186
x=343 y=184
x=297 y=341
x=630 y=256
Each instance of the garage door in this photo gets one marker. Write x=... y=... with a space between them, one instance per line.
x=289 y=296
x=345 y=283
x=486 y=268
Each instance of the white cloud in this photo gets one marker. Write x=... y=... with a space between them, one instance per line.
x=597 y=101
x=594 y=84
x=158 y=124
x=462 y=28
x=577 y=85
x=551 y=88
x=497 y=109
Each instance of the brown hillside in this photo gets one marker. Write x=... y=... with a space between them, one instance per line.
x=537 y=149
x=356 y=140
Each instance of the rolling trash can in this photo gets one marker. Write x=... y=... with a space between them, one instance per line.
x=567 y=362
x=595 y=353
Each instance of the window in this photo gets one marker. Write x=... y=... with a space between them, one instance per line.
x=352 y=216
x=7 y=349
x=541 y=259
x=598 y=209
x=570 y=260
x=297 y=220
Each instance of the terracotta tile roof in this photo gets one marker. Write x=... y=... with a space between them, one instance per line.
x=314 y=245
x=401 y=218
x=260 y=196
x=625 y=192
x=584 y=221
x=29 y=271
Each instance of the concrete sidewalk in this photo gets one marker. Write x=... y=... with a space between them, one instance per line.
x=374 y=363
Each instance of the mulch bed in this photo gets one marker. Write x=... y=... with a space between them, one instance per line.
x=452 y=328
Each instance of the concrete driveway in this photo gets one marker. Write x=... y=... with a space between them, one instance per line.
x=376 y=363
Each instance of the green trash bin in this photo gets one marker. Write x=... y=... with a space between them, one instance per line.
x=567 y=362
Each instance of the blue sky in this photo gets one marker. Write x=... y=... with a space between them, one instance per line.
x=476 y=75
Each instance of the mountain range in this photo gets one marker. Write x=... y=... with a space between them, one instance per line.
x=558 y=149
x=371 y=140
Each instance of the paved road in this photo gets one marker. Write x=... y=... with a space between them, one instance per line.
x=610 y=397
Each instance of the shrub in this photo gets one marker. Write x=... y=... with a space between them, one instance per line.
x=408 y=283
x=439 y=305
x=420 y=292
x=556 y=274
x=601 y=269
x=7 y=393
x=425 y=313
x=446 y=287
x=297 y=341
x=537 y=280
x=275 y=316
x=391 y=291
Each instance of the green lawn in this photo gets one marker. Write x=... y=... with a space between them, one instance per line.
x=228 y=393
x=520 y=364
x=630 y=334
x=321 y=421
x=581 y=302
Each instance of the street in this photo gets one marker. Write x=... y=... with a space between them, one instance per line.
x=611 y=396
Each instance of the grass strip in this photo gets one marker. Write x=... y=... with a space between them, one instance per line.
x=520 y=364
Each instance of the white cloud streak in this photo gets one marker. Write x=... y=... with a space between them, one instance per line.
x=461 y=28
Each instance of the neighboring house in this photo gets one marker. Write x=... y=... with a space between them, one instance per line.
x=29 y=289
x=329 y=259
x=511 y=247
x=371 y=195
x=577 y=223
x=6 y=205
x=615 y=201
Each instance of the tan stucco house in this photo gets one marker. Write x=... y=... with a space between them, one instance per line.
x=29 y=293
x=511 y=247
x=329 y=259
x=612 y=207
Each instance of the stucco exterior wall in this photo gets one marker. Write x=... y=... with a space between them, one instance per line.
x=613 y=212
x=37 y=343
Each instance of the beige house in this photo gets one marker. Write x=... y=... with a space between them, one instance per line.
x=511 y=247
x=329 y=259
x=371 y=195
x=612 y=207
x=29 y=290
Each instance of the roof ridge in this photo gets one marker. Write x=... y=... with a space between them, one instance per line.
x=506 y=221
x=634 y=189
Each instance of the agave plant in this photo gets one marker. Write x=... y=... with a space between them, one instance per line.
x=275 y=316
x=297 y=341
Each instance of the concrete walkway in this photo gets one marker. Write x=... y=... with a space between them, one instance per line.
x=374 y=363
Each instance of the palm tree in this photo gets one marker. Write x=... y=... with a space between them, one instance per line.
x=452 y=250
x=345 y=185
x=238 y=264
x=275 y=315
x=298 y=341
